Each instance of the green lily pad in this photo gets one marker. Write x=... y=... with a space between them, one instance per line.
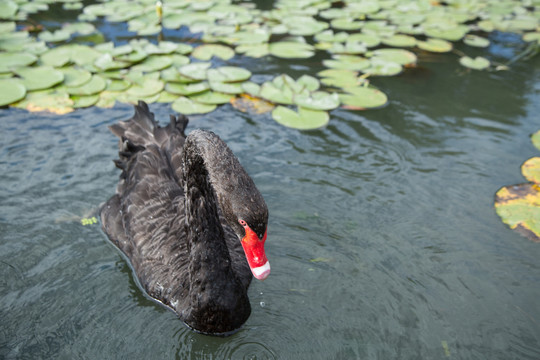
x=228 y=74
x=355 y=63
x=46 y=100
x=75 y=77
x=400 y=40
x=363 y=97
x=195 y=71
x=370 y=40
x=106 y=62
x=228 y=88
x=39 y=78
x=532 y=36
x=94 y=86
x=383 y=67
x=318 y=100
x=207 y=51
x=435 y=45
x=84 y=101
x=12 y=60
x=146 y=87
x=400 y=56
x=271 y=92
x=309 y=82
x=452 y=34
x=117 y=85
x=535 y=139
x=339 y=78
x=11 y=91
x=187 y=89
x=291 y=50
x=517 y=205
x=476 y=41
x=186 y=106
x=478 y=63
x=55 y=36
x=153 y=63
x=531 y=170
x=8 y=9
x=253 y=50
x=211 y=97
x=304 y=119
x=346 y=23
x=251 y=88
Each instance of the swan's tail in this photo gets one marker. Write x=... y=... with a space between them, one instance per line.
x=142 y=131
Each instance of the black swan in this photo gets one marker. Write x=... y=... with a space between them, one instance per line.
x=187 y=216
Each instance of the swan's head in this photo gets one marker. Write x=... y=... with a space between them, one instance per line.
x=253 y=245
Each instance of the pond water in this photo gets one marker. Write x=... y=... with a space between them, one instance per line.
x=382 y=235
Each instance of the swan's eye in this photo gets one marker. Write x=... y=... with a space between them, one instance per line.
x=242 y=222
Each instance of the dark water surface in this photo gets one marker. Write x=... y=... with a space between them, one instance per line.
x=383 y=239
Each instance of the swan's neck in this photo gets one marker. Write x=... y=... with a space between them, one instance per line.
x=218 y=300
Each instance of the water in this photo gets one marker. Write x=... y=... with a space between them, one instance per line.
x=383 y=239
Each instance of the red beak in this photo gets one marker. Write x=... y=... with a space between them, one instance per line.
x=254 y=250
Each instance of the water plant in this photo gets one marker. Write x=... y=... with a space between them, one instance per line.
x=352 y=43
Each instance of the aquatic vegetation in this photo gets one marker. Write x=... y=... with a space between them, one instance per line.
x=355 y=41
x=519 y=205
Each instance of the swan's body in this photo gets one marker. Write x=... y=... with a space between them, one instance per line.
x=183 y=211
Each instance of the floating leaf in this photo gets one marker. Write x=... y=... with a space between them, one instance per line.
x=211 y=97
x=187 y=89
x=535 y=138
x=228 y=74
x=146 y=87
x=153 y=63
x=309 y=82
x=117 y=85
x=355 y=63
x=304 y=119
x=254 y=50
x=8 y=9
x=11 y=91
x=252 y=105
x=517 y=205
x=195 y=71
x=383 y=67
x=40 y=78
x=56 y=36
x=400 y=56
x=532 y=36
x=46 y=100
x=531 y=170
x=207 y=51
x=12 y=60
x=75 y=77
x=318 y=100
x=291 y=50
x=435 y=45
x=186 y=106
x=363 y=97
x=271 y=92
x=95 y=85
x=106 y=62
x=84 y=101
x=476 y=41
x=228 y=88
x=399 y=40
x=478 y=63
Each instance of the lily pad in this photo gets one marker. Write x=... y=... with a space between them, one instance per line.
x=354 y=63
x=211 y=97
x=478 y=63
x=435 y=45
x=400 y=56
x=228 y=88
x=40 y=78
x=517 y=205
x=271 y=92
x=84 y=101
x=55 y=36
x=304 y=119
x=12 y=60
x=187 y=89
x=252 y=105
x=154 y=63
x=207 y=51
x=291 y=50
x=383 y=67
x=535 y=139
x=228 y=74
x=531 y=170
x=11 y=91
x=399 y=40
x=187 y=106
x=318 y=100
x=195 y=71
x=146 y=87
x=94 y=86
x=75 y=77
x=476 y=41
x=363 y=97
x=46 y=100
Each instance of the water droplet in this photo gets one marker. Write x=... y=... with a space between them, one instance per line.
x=262 y=303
